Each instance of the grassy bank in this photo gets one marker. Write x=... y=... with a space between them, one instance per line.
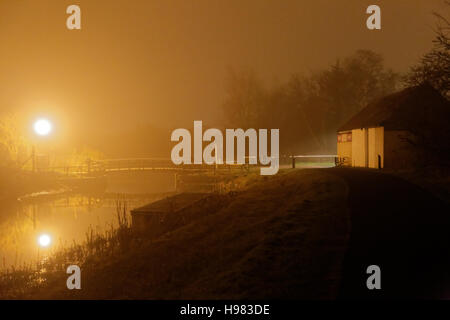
x=272 y=237
x=434 y=179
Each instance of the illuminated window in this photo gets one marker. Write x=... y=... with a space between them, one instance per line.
x=349 y=136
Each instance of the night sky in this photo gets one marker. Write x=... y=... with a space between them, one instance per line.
x=164 y=62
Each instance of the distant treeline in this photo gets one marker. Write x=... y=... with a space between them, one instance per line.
x=308 y=109
x=14 y=149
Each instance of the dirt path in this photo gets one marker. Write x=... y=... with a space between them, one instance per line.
x=402 y=229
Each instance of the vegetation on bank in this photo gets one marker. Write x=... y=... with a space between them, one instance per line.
x=20 y=281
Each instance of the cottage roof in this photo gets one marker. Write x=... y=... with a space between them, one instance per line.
x=416 y=109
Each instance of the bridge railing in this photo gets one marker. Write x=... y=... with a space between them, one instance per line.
x=316 y=160
x=96 y=167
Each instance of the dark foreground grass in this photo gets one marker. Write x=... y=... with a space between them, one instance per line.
x=273 y=237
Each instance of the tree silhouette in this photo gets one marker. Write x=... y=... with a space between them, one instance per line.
x=434 y=67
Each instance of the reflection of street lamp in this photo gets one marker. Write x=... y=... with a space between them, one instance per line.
x=44 y=240
x=42 y=127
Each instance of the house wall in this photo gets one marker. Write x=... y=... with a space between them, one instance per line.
x=359 y=147
x=367 y=144
x=375 y=147
x=395 y=148
x=344 y=148
x=400 y=152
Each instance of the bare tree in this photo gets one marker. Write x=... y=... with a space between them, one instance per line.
x=244 y=100
x=434 y=67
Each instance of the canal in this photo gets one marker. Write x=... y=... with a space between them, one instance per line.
x=67 y=217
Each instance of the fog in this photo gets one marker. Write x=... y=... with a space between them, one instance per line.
x=139 y=66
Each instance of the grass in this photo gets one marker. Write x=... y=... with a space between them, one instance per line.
x=435 y=179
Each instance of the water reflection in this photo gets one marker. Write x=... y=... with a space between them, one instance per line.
x=64 y=219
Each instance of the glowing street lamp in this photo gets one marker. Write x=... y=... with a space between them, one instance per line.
x=43 y=127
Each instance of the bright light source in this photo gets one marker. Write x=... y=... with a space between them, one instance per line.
x=44 y=240
x=42 y=127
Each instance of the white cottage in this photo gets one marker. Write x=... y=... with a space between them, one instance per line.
x=404 y=129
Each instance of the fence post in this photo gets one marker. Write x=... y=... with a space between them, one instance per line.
x=33 y=158
x=89 y=166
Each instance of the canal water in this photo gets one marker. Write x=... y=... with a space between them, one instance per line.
x=68 y=217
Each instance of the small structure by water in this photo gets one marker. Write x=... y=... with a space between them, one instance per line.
x=161 y=216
